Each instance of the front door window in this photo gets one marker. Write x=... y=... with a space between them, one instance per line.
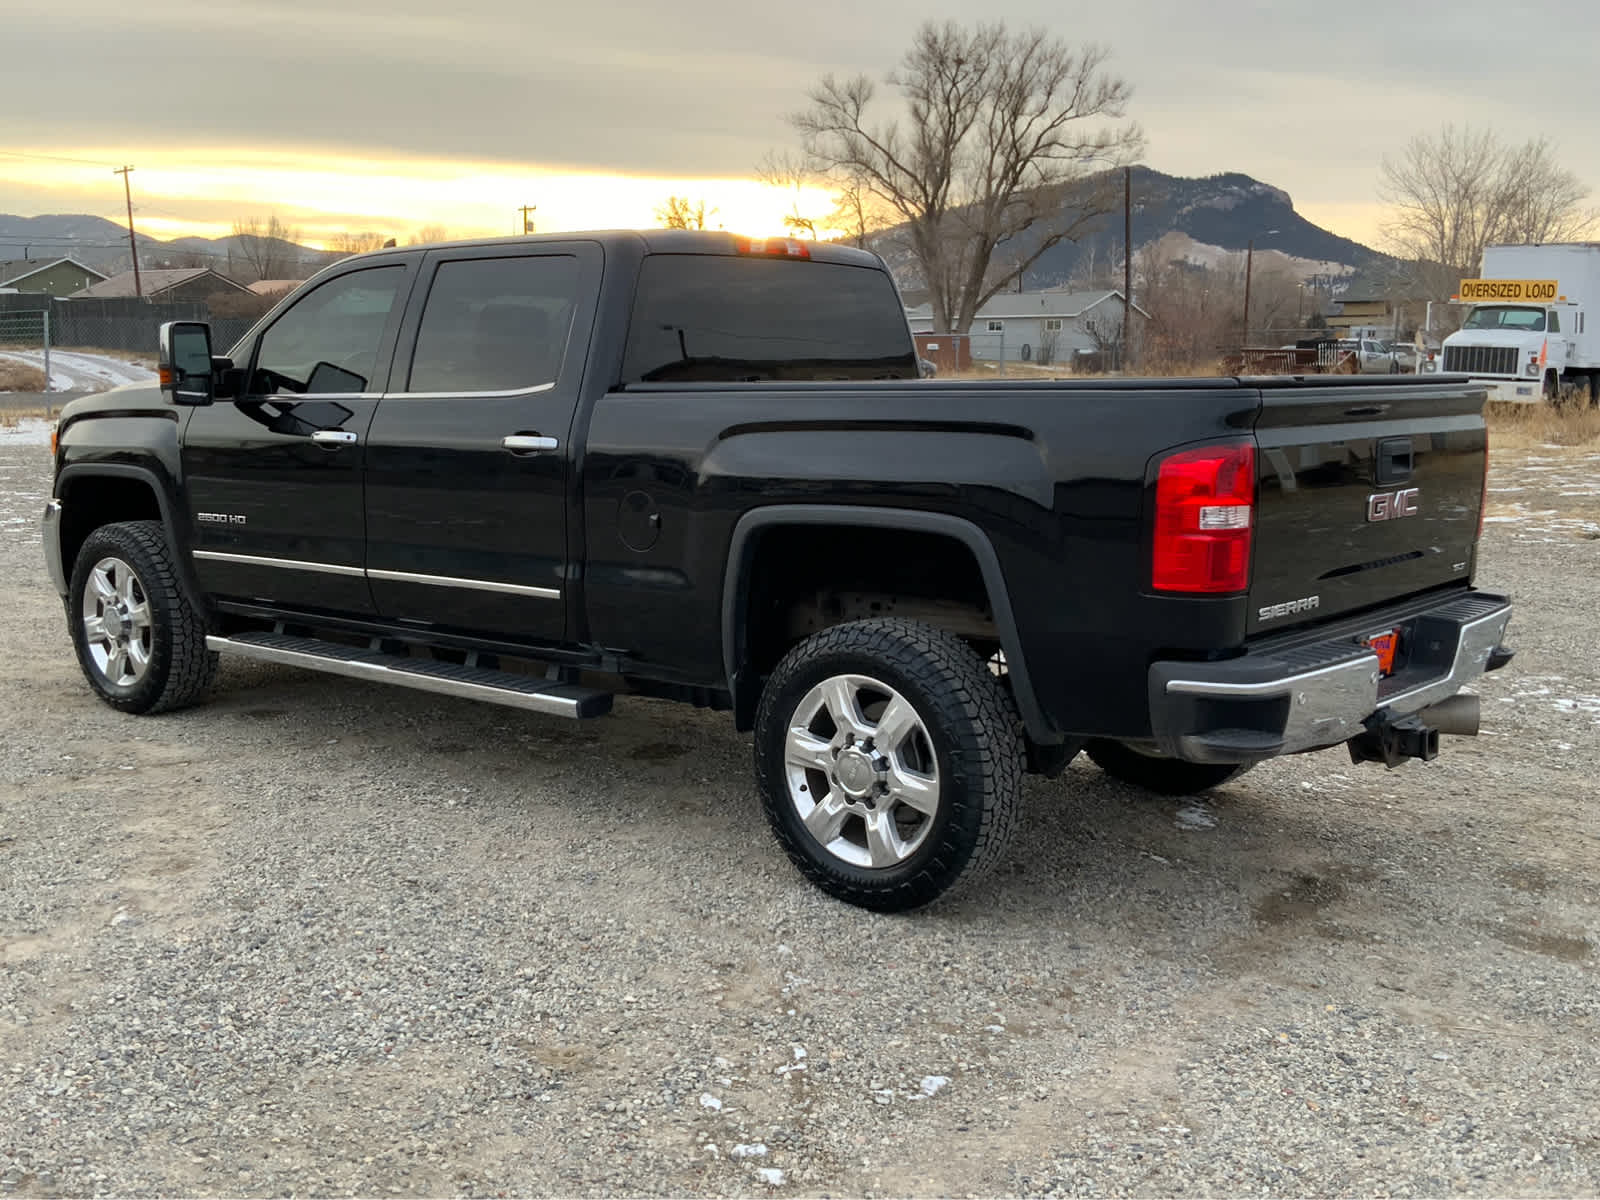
x=327 y=344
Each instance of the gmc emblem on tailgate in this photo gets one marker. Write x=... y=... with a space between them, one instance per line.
x=1391 y=506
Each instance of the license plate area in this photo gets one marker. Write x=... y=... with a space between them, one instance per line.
x=1384 y=645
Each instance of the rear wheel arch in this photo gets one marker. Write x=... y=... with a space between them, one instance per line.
x=743 y=661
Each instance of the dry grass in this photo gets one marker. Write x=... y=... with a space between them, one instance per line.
x=10 y=418
x=20 y=377
x=1529 y=426
x=1016 y=370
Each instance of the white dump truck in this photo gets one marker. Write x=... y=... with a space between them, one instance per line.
x=1526 y=335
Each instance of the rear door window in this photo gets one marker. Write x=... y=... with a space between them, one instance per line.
x=494 y=325
x=705 y=318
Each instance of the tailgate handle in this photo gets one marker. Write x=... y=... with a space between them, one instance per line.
x=1394 y=461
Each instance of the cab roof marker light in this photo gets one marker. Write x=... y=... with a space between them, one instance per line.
x=772 y=247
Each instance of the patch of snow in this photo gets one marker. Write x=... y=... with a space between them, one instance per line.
x=70 y=371
x=1195 y=816
x=771 y=1176
x=28 y=432
x=748 y=1150
x=931 y=1086
x=707 y=1100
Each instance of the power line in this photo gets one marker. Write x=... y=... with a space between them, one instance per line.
x=82 y=162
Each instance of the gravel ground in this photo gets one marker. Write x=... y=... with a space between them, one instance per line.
x=320 y=938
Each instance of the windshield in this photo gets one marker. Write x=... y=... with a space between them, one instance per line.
x=1527 y=320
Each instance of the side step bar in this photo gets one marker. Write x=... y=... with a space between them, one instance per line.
x=449 y=679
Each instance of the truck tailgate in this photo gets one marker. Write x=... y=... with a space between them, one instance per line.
x=1367 y=492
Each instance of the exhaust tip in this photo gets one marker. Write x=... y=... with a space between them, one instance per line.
x=1459 y=716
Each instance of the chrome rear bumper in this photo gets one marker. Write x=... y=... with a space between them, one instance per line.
x=1311 y=696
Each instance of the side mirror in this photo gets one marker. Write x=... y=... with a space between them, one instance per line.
x=185 y=362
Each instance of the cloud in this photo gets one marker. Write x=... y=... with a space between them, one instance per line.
x=1305 y=97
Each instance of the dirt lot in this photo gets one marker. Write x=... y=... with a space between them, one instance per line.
x=322 y=938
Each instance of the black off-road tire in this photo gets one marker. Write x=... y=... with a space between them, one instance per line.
x=180 y=669
x=971 y=723
x=1166 y=776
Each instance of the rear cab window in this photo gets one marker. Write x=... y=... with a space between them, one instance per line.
x=734 y=318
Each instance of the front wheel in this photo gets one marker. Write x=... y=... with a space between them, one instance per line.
x=889 y=762
x=141 y=644
x=1167 y=776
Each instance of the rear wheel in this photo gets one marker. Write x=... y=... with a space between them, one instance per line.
x=889 y=762
x=141 y=644
x=1167 y=776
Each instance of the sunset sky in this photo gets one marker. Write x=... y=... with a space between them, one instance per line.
x=392 y=114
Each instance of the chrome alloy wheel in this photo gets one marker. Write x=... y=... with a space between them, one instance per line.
x=861 y=771
x=116 y=622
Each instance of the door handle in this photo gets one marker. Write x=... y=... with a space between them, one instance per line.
x=528 y=443
x=334 y=437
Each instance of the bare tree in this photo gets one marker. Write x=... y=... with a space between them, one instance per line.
x=263 y=249
x=1001 y=134
x=680 y=213
x=1194 y=310
x=188 y=259
x=1460 y=190
x=428 y=234
x=857 y=213
x=355 y=243
x=792 y=174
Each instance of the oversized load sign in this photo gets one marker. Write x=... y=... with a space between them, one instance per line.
x=1523 y=291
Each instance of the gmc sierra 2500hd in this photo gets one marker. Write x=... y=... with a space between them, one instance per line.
x=542 y=470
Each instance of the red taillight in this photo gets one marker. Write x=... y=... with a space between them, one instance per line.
x=1205 y=519
x=776 y=247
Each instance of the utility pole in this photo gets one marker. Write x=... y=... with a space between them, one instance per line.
x=527 y=221
x=1249 y=260
x=127 y=194
x=1127 y=262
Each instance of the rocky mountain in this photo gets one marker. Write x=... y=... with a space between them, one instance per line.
x=1224 y=212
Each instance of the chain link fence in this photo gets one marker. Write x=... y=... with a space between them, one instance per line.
x=25 y=350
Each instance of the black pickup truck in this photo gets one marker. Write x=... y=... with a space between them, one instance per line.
x=540 y=471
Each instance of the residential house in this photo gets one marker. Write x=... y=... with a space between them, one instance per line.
x=46 y=276
x=180 y=283
x=1388 y=305
x=1050 y=327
